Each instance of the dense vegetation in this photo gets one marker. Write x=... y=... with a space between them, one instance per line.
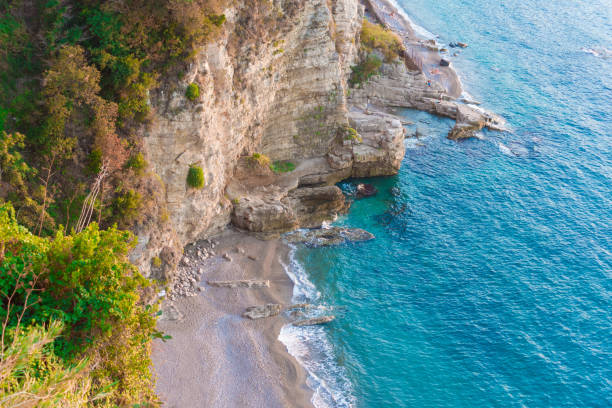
x=75 y=326
x=75 y=75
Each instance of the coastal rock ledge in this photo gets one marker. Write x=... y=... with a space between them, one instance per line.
x=328 y=236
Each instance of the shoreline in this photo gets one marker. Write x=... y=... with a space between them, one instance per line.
x=216 y=357
x=424 y=51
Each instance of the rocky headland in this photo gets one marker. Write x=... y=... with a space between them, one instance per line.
x=277 y=124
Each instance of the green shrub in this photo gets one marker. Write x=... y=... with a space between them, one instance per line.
x=259 y=159
x=136 y=163
x=157 y=262
x=94 y=162
x=282 y=167
x=365 y=70
x=126 y=205
x=193 y=91
x=85 y=282
x=216 y=19
x=375 y=36
x=351 y=134
x=195 y=177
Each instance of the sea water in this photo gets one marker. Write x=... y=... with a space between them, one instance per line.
x=489 y=283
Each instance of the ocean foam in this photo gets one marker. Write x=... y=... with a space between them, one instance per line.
x=310 y=346
x=418 y=30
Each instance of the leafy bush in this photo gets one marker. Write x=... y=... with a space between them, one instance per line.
x=375 y=36
x=351 y=134
x=282 y=167
x=94 y=162
x=365 y=70
x=136 y=163
x=193 y=92
x=258 y=159
x=157 y=262
x=85 y=282
x=216 y=19
x=195 y=177
x=125 y=206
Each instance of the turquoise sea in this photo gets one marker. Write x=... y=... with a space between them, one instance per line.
x=489 y=283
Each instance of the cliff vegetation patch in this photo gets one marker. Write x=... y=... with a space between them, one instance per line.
x=195 y=177
x=374 y=36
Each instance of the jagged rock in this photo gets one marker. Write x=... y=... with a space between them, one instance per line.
x=252 y=258
x=444 y=62
x=227 y=257
x=328 y=236
x=365 y=190
x=277 y=211
x=260 y=312
x=314 y=321
x=246 y=283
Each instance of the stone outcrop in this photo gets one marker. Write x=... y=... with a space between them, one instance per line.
x=328 y=236
x=261 y=312
x=314 y=321
x=246 y=283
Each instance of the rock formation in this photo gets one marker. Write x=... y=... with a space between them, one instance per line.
x=261 y=312
x=314 y=321
x=275 y=84
x=328 y=236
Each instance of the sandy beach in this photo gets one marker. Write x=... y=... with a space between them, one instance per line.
x=216 y=357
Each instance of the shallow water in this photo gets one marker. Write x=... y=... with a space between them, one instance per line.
x=489 y=282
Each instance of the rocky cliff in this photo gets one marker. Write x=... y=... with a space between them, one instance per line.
x=276 y=83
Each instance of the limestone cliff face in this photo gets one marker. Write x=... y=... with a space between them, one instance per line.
x=282 y=94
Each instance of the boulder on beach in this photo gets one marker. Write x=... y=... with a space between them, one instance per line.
x=314 y=321
x=444 y=62
x=245 y=283
x=263 y=311
x=366 y=190
x=328 y=236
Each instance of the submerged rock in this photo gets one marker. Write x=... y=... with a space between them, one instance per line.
x=328 y=236
x=314 y=321
x=260 y=312
x=246 y=283
x=366 y=190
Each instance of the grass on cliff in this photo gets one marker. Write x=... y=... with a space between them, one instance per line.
x=282 y=167
x=375 y=36
x=195 y=177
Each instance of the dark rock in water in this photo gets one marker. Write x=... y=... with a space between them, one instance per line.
x=395 y=191
x=328 y=236
x=462 y=45
x=366 y=190
x=315 y=320
x=444 y=62
x=453 y=45
x=260 y=312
